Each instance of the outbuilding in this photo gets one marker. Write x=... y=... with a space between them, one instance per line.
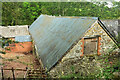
x=59 y=38
x=18 y=36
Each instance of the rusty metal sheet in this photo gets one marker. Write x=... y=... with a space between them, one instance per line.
x=53 y=36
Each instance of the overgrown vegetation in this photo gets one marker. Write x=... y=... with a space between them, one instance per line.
x=105 y=66
x=109 y=64
x=6 y=42
x=2 y=52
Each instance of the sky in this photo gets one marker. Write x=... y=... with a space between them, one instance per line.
x=109 y=3
x=117 y=0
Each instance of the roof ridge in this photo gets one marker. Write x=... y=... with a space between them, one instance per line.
x=83 y=17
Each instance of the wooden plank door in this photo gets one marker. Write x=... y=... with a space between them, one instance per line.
x=90 y=45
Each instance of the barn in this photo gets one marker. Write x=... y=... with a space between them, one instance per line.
x=59 y=38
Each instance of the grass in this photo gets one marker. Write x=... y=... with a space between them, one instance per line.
x=2 y=64
x=17 y=57
x=78 y=75
x=10 y=59
x=109 y=65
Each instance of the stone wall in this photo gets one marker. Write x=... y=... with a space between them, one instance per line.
x=106 y=42
x=76 y=51
x=82 y=66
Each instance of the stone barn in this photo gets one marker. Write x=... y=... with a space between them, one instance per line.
x=59 y=38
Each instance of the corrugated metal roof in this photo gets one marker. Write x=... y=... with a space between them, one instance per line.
x=112 y=27
x=12 y=31
x=26 y=38
x=53 y=36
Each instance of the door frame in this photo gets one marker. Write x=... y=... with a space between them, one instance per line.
x=98 y=44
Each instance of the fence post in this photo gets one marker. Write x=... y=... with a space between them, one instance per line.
x=13 y=73
x=2 y=73
x=25 y=73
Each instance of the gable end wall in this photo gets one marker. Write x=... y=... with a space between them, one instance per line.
x=106 y=44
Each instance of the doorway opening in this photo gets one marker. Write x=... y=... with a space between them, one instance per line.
x=91 y=45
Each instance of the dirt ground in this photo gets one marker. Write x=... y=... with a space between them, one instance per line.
x=18 y=61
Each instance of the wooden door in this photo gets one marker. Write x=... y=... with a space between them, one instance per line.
x=90 y=45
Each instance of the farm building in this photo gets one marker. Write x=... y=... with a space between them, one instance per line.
x=60 y=38
x=20 y=36
x=13 y=31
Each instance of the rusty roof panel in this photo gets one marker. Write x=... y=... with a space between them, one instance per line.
x=53 y=36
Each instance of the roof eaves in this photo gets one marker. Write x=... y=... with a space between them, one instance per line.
x=107 y=31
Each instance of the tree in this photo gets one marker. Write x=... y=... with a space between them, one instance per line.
x=24 y=13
